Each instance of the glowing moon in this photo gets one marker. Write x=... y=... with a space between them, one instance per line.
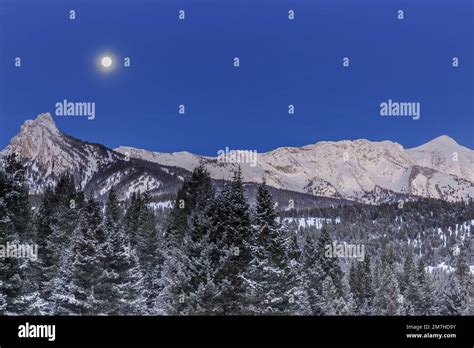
x=106 y=62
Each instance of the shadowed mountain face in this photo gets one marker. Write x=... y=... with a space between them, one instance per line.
x=322 y=174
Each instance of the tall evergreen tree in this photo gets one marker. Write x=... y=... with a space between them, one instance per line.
x=17 y=197
x=406 y=277
x=273 y=283
x=361 y=286
x=455 y=296
x=201 y=285
x=329 y=265
x=188 y=273
x=387 y=298
x=426 y=305
x=313 y=276
x=368 y=289
x=410 y=286
x=88 y=260
x=231 y=233
x=20 y=294
x=462 y=271
x=329 y=297
x=388 y=293
x=120 y=289
x=355 y=283
x=55 y=226
x=140 y=228
x=190 y=197
x=61 y=302
x=10 y=271
x=346 y=304
x=298 y=302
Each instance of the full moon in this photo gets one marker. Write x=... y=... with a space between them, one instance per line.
x=106 y=62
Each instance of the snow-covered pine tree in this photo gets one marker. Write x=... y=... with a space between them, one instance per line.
x=272 y=284
x=345 y=305
x=55 y=226
x=298 y=303
x=264 y=274
x=120 y=289
x=231 y=233
x=387 y=295
x=30 y=301
x=332 y=303
x=329 y=297
x=462 y=268
x=196 y=191
x=202 y=287
x=324 y=266
x=10 y=272
x=61 y=300
x=140 y=229
x=17 y=199
x=376 y=279
x=200 y=250
x=455 y=296
x=14 y=229
x=42 y=225
x=368 y=286
x=86 y=267
x=176 y=275
x=406 y=276
x=312 y=276
x=188 y=273
x=426 y=305
x=329 y=265
x=409 y=286
x=361 y=286
x=131 y=219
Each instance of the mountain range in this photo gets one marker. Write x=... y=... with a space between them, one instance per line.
x=325 y=173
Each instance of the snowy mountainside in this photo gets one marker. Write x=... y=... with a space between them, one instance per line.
x=48 y=153
x=360 y=170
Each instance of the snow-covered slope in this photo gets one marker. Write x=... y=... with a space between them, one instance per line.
x=444 y=155
x=361 y=170
x=48 y=153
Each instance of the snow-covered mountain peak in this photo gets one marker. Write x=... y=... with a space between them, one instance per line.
x=43 y=122
x=130 y=150
x=45 y=150
x=47 y=153
x=445 y=155
x=36 y=138
x=353 y=169
x=360 y=170
x=441 y=142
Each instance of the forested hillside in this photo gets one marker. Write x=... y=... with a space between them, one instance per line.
x=214 y=254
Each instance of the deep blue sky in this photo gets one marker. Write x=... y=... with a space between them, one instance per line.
x=282 y=62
